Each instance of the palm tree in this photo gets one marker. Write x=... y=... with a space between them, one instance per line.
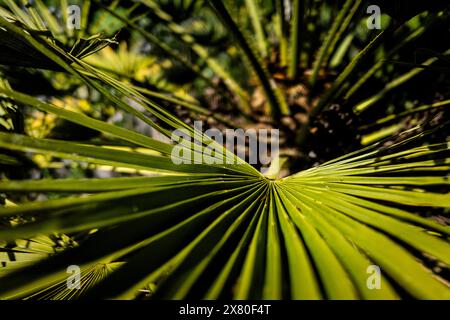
x=223 y=230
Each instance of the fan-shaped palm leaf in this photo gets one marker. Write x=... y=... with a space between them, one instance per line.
x=221 y=229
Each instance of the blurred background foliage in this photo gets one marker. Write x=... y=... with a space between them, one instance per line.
x=182 y=50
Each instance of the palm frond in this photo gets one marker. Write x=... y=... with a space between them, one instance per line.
x=217 y=229
x=297 y=23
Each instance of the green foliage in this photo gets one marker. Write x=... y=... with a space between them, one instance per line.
x=221 y=229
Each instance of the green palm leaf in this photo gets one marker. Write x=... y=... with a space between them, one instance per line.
x=219 y=230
